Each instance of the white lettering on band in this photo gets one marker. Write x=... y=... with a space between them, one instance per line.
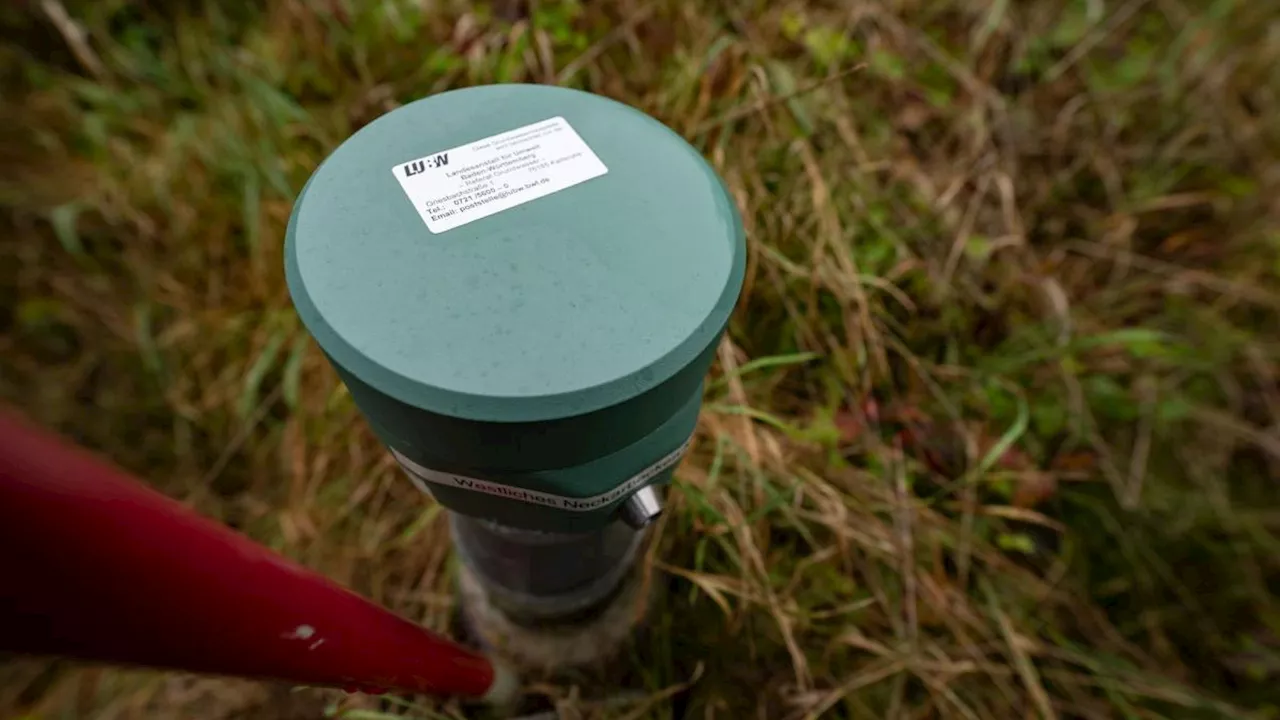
x=534 y=497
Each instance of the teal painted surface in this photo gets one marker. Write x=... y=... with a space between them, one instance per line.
x=542 y=338
x=436 y=440
x=584 y=480
x=561 y=306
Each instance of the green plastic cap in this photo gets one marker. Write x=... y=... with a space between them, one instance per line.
x=521 y=285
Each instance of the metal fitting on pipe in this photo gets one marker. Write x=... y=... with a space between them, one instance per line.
x=641 y=508
x=522 y=286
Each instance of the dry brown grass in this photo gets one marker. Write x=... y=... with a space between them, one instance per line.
x=993 y=434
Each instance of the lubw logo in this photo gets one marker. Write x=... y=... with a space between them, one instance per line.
x=418 y=166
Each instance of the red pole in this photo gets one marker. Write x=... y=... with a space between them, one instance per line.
x=95 y=565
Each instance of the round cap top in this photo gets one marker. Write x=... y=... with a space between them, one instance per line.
x=514 y=253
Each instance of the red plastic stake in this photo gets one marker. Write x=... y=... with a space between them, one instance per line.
x=95 y=565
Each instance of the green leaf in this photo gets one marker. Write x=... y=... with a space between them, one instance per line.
x=145 y=337
x=1139 y=342
x=1109 y=398
x=1073 y=24
x=785 y=85
x=1049 y=418
x=828 y=46
x=293 y=370
x=424 y=519
x=886 y=64
x=721 y=44
x=1035 y=58
x=1000 y=405
x=764 y=363
x=1002 y=486
x=1136 y=65
x=1239 y=187
x=1173 y=409
x=64 y=220
x=339 y=399
x=701 y=506
x=756 y=414
x=792 y=25
x=361 y=714
x=442 y=61
x=1010 y=436
x=978 y=248
x=777 y=498
x=939 y=85
x=36 y=313
x=253 y=380
x=251 y=202
x=1016 y=542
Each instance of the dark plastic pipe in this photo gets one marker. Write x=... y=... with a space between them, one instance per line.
x=95 y=565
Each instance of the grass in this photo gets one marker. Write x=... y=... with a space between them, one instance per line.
x=994 y=432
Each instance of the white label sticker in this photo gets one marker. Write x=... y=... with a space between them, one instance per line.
x=424 y=477
x=453 y=187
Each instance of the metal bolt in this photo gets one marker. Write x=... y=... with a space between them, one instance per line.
x=642 y=508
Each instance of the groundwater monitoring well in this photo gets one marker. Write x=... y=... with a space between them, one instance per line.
x=522 y=287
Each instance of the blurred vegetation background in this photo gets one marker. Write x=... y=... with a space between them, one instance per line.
x=994 y=432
